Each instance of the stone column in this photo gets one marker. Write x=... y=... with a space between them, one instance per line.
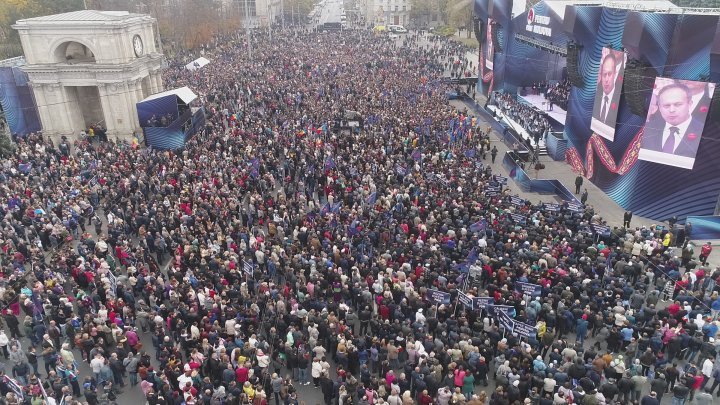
x=110 y=123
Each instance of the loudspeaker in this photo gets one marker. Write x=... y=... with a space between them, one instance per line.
x=714 y=113
x=497 y=43
x=573 y=71
x=479 y=27
x=637 y=86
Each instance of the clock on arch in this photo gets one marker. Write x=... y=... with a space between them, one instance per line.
x=138 y=46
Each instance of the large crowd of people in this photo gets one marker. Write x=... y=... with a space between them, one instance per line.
x=278 y=250
x=532 y=120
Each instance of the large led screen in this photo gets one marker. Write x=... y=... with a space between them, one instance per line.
x=607 y=94
x=675 y=121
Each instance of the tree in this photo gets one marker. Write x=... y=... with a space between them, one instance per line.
x=7 y=147
x=13 y=10
x=460 y=14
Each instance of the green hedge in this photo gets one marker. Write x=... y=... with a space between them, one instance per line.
x=444 y=30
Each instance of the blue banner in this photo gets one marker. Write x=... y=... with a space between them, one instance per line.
x=551 y=207
x=465 y=300
x=482 y=302
x=494 y=310
x=519 y=219
x=523 y=329
x=530 y=289
x=506 y=322
x=603 y=230
x=438 y=297
x=517 y=200
x=501 y=179
x=575 y=207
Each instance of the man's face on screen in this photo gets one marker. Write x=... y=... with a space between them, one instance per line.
x=607 y=75
x=674 y=106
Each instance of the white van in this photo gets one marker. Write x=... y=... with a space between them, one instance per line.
x=398 y=29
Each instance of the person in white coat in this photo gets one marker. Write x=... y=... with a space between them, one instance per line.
x=315 y=371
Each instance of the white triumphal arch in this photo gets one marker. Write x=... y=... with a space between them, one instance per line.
x=90 y=68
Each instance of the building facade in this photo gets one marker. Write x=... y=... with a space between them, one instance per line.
x=384 y=12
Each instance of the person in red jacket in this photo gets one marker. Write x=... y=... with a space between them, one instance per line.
x=705 y=253
x=425 y=398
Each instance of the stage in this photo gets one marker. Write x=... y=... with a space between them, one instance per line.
x=515 y=126
x=539 y=102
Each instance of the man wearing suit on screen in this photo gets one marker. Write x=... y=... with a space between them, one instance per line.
x=701 y=95
x=673 y=130
x=607 y=85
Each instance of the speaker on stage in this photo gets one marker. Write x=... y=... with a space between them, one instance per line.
x=573 y=70
x=637 y=87
x=479 y=27
x=714 y=113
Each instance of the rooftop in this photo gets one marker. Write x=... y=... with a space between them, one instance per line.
x=82 y=16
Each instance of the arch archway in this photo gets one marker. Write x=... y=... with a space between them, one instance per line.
x=73 y=52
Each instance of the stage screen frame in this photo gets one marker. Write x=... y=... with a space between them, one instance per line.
x=606 y=128
x=657 y=131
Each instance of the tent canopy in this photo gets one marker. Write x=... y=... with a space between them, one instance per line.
x=183 y=93
x=162 y=109
x=197 y=63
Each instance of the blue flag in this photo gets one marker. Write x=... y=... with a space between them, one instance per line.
x=25 y=167
x=255 y=171
x=336 y=207
x=325 y=209
x=353 y=228
x=329 y=163
x=478 y=226
x=372 y=198
x=470 y=153
x=416 y=155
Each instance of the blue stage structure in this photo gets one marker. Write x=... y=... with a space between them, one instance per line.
x=169 y=120
x=16 y=98
x=543 y=186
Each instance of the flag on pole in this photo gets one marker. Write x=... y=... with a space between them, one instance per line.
x=372 y=198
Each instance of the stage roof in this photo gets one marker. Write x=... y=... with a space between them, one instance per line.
x=183 y=93
x=664 y=6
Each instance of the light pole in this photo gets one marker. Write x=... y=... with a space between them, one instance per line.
x=282 y=13
x=269 y=19
x=247 y=28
